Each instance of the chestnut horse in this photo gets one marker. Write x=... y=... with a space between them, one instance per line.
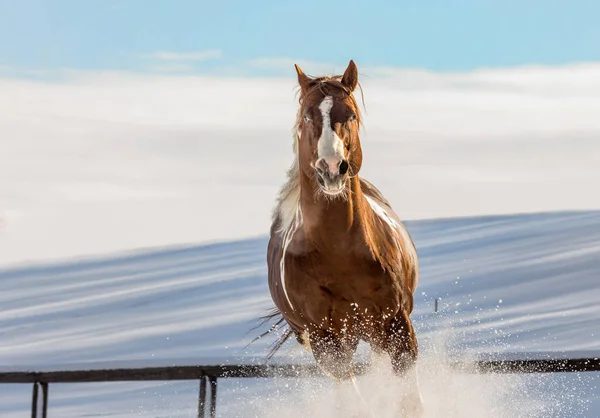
x=341 y=265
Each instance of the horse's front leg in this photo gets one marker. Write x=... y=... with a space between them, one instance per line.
x=334 y=355
x=401 y=344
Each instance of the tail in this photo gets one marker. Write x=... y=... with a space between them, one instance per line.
x=280 y=323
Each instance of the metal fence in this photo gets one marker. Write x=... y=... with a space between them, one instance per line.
x=208 y=375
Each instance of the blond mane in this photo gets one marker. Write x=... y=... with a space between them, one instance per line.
x=288 y=198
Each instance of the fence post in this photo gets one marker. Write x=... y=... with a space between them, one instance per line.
x=45 y=399
x=202 y=397
x=34 y=400
x=213 y=397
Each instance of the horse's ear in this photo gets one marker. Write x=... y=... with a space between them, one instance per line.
x=350 y=78
x=303 y=79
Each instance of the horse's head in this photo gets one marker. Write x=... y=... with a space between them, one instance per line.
x=328 y=124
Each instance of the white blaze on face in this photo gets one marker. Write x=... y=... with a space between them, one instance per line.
x=330 y=147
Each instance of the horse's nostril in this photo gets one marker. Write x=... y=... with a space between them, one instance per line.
x=321 y=167
x=344 y=167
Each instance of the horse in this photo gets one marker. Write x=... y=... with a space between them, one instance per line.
x=342 y=267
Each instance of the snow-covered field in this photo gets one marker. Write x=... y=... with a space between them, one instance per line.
x=133 y=214
x=508 y=283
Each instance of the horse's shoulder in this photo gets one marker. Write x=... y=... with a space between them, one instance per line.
x=374 y=194
x=372 y=191
x=290 y=241
x=383 y=209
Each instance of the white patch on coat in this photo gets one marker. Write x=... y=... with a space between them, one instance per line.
x=382 y=213
x=287 y=238
x=398 y=229
x=330 y=145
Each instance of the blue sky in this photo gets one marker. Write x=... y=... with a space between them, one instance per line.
x=224 y=36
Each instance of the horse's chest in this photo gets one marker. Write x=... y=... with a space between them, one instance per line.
x=338 y=284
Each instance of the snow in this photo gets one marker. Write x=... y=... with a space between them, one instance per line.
x=134 y=211
x=520 y=283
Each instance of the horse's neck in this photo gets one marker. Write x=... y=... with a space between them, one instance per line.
x=348 y=228
x=336 y=221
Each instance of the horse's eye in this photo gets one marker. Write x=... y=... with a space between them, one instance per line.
x=307 y=119
x=352 y=117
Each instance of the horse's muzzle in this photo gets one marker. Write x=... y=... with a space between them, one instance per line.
x=332 y=174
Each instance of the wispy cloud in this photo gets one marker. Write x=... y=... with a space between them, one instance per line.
x=171 y=68
x=206 y=55
x=287 y=64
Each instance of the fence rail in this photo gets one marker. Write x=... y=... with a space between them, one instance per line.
x=208 y=375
